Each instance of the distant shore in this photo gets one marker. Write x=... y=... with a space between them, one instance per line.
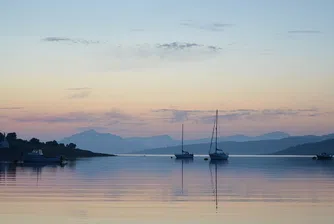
x=17 y=147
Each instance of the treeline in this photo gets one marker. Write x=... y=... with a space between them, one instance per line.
x=50 y=148
x=12 y=137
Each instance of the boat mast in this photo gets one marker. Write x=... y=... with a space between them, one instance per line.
x=216 y=187
x=182 y=138
x=213 y=132
x=216 y=127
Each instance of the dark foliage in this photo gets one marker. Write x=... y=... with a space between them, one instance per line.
x=11 y=136
x=51 y=148
x=71 y=146
x=34 y=141
x=52 y=143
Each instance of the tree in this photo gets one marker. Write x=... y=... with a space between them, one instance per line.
x=53 y=143
x=61 y=144
x=34 y=141
x=71 y=146
x=11 y=136
x=2 y=136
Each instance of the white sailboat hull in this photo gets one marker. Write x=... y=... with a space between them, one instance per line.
x=218 y=156
x=184 y=156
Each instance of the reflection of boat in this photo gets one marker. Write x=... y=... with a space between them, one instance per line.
x=218 y=154
x=216 y=183
x=216 y=164
x=184 y=161
x=324 y=156
x=182 y=176
x=184 y=154
x=37 y=156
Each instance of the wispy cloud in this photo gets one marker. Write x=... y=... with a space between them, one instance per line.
x=140 y=56
x=207 y=116
x=79 y=88
x=74 y=117
x=118 y=115
x=304 y=32
x=186 y=46
x=100 y=119
x=11 y=108
x=176 y=115
x=214 y=48
x=79 y=93
x=215 y=27
x=87 y=128
x=178 y=46
x=70 y=40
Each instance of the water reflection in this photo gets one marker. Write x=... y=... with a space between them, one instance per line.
x=7 y=174
x=214 y=183
x=183 y=161
x=8 y=171
x=160 y=189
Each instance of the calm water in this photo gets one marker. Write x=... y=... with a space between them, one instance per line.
x=158 y=189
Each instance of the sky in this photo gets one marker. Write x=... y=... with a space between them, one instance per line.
x=142 y=68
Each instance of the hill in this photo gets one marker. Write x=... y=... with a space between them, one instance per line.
x=309 y=148
x=243 y=148
x=242 y=138
x=98 y=142
x=51 y=148
x=109 y=143
x=152 y=142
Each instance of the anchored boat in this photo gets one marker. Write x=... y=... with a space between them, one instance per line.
x=184 y=154
x=218 y=154
x=324 y=156
x=37 y=156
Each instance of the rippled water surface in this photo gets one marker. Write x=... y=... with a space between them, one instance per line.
x=158 y=189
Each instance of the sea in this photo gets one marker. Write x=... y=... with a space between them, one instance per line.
x=160 y=189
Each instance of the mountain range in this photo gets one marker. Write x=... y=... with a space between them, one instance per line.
x=258 y=147
x=164 y=144
x=313 y=148
x=109 y=143
x=106 y=142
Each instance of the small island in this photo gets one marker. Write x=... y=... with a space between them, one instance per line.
x=11 y=148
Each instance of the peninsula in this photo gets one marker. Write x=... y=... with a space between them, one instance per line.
x=12 y=147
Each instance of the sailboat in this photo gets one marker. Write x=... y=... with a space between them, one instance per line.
x=184 y=154
x=218 y=154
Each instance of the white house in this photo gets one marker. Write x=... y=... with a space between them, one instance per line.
x=4 y=143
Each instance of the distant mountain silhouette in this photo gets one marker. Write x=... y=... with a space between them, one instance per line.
x=243 y=138
x=309 y=148
x=98 y=142
x=109 y=143
x=153 y=142
x=243 y=148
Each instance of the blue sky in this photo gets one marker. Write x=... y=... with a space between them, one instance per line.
x=136 y=56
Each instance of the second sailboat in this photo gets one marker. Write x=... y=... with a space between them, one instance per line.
x=218 y=154
x=184 y=154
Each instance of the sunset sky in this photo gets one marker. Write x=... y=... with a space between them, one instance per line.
x=141 y=68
